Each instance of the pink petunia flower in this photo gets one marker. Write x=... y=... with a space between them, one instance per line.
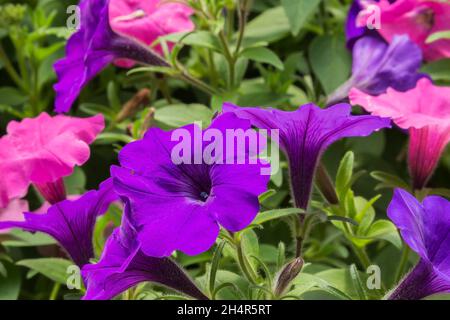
x=13 y=211
x=41 y=151
x=147 y=20
x=417 y=18
x=425 y=112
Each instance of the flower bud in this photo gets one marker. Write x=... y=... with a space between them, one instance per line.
x=288 y=273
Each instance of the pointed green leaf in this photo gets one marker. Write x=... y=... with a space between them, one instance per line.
x=263 y=55
x=298 y=12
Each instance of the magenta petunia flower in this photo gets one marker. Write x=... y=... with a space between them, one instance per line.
x=378 y=65
x=147 y=20
x=41 y=151
x=416 y=18
x=425 y=112
x=180 y=206
x=91 y=49
x=306 y=133
x=425 y=227
x=71 y=223
x=124 y=265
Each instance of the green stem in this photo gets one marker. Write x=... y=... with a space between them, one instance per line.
x=55 y=291
x=185 y=76
x=403 y=262
x=165 y=90
x=231 y=59
x=242 y=12
x=362 y=256
x=10 y=69
x=299 y=235
x=249 y=273
x=212 y=68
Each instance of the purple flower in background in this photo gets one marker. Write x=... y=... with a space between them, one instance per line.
x=71 y=223
x=352 y=30
x=425 y=227
x=306 y=133
x=124 y=265
x=180 y=206
x=91 y=49
x=378 y=65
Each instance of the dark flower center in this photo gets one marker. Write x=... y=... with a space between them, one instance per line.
x=191 y=181
x=204 y=196
x=426 y=18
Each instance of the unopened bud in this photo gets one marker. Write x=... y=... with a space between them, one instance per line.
x=132 y=106
x=325 y=185
x=148 y=121
x=288 y=273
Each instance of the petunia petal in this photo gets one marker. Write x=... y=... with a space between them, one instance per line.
x=91 y=49
x=146 y=21
x=378 y=66
x=123 y=265
x=306 y=133
x=71 y=223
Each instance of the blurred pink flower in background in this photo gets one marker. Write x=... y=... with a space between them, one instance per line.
x=425 y=112
x=13 y=211
x=42 y=151
x=417 y=18
x=147 y=20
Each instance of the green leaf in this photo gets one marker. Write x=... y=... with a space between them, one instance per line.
x=330 y=61
x=111 y=137
x=342 y=219
x=263 y=55
x=344 y=175
x=372 y=145
x=231 y=281
x=75 y=183
x=438 y=70
x=365 y=213
x=215 y=265
x=112 y=92
x=10 y=284
x=53 y=268
x=388 y=180
x=341 y=280
x=270 y=26
x=25 y=239
x=93 y=109
x=439 y=191
x=385 y=230
x=12 y=96
x=275 y=214
x=440 y=35
x=336 y=282
x=199 y=38
x=250 y=246
x=158 y=69
x=357 y=282
x=266 y=195
x=178 y=115
x=298 y=12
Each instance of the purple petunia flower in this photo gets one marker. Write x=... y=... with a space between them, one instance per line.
x=306 y=133
x=353 y=32
x=91 y=49
x=123 y=265
x=71 y=223
x=180 y=206
x=378 y=65
x=425 y=227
